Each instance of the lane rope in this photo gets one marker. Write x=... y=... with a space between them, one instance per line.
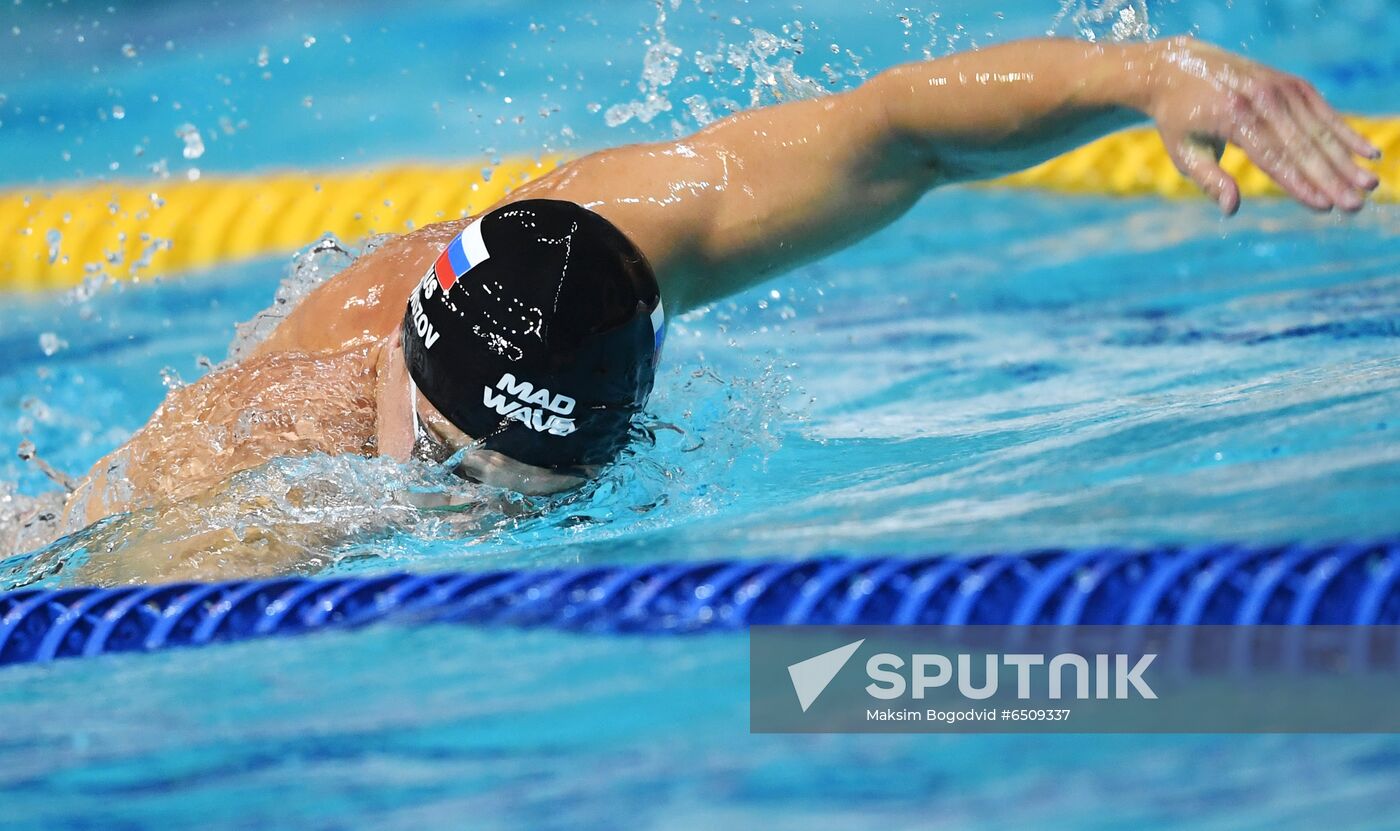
x=1350 y=582
x=53 y=237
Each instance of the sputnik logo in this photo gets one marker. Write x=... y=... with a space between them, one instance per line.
x=811 y=677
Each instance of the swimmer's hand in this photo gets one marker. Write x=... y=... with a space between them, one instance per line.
x=1202 y=97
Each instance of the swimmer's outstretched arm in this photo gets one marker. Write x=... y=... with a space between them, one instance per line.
x=769 y=189
x=1019 y=105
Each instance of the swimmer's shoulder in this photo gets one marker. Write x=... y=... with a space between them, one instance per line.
x=364 y=303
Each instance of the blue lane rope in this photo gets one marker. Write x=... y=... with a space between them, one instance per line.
x=1328 y=583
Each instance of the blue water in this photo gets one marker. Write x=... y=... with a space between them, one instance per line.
x=995 y=371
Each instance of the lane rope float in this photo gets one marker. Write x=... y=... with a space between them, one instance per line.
x=55 y=236
x=1349 y=582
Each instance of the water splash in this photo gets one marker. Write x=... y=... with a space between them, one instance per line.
x=1111 y=20
x=309 y=268
x=54 y=240
x=170 y=378
x=51 y=344
x=25 y=522
x=775 y=78
x=194 y=143
x=659 y=67
x=349 y=513
x=286 y=515
x=764 y=66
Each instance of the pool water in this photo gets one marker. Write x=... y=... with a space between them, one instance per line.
x=996 y=371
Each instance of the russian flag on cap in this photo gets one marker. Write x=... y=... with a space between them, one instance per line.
x=658 y=326
x=466 y=251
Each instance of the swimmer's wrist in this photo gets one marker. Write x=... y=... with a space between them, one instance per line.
x=1152 y=70
x=1130 y=76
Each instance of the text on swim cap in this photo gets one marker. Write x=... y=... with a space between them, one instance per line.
x=420 y=319
x=530 y=405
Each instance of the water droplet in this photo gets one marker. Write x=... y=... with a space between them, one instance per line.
x=156 y=201
x=118 y=112
x=307 y=102
x=263 y=57
x=51 y=344
x=53 y=238
x=128 y=50
x=194 y=143
x=308 y=41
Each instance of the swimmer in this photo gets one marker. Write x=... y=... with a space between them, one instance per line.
x=516 y=346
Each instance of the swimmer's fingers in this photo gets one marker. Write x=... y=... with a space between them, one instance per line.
x=1335 y=143
x=1315 y=104
x=1292 y=135
x=1301 y=137
x=1266 y=141
x=1199 y=159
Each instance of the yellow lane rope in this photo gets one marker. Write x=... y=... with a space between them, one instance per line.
x=52 y=237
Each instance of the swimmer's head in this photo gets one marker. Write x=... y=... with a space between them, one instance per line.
x=536 y=333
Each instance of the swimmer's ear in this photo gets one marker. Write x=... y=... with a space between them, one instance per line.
x=1198 y=158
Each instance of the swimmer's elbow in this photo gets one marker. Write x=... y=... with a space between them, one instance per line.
x=900 y=145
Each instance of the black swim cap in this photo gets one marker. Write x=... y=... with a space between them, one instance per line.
x=537 y=331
